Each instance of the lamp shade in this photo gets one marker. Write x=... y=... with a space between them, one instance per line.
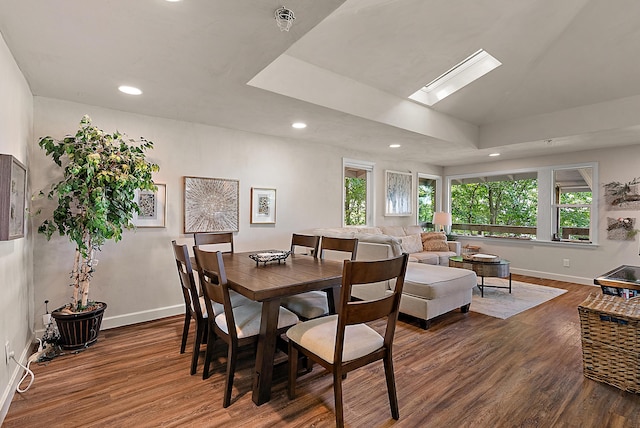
x=442 y=218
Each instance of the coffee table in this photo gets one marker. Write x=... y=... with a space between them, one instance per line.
x=497 y=268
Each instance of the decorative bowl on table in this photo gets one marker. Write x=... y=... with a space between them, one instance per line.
x=269 y=256
x=486 y=258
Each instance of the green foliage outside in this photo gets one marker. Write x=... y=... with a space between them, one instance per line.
x=355 y=201
x=512 y=203
x=426 y=201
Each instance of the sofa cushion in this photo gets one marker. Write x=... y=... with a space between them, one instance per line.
x=428 y=257
x=412 y=230
x=393 y=230
x=431 y=282
x=412 y=244
x=434 y=241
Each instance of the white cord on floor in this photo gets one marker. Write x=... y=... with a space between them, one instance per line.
x=28 y=372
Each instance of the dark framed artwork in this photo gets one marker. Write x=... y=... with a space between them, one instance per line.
x=153 y=207
x=13 y=185
x=263 y=206
x=211 y=204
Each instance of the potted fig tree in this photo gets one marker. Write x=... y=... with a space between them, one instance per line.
x=95 y=203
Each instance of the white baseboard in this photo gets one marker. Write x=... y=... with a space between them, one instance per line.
x=10 y=390
x=142 y=316
x=555 y=276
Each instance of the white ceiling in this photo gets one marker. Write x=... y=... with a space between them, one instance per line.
x=569 y=79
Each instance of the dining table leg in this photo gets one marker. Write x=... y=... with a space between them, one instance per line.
x=266 y=351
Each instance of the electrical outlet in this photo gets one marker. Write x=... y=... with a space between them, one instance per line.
x=6 y=352
x=565 y=262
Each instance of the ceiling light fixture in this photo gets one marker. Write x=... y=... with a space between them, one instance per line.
x=457 y=77
x=284 y=18
x=130 y=90
x=493 y=155
x=299 y=125
x=394 y=146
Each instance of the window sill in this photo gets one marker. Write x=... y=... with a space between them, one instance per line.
x=496 y=239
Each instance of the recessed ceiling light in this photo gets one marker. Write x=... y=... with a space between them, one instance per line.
x=172 y=1
x=457 y=77
x=299 y=125
x=129 y=90
x=394 y=146
x=494 y=154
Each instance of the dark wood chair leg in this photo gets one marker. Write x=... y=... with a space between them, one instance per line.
x=464 y=309
x=293 y=371
x=231 y=370
x=196 y=348
x=391 y=387
x=211 y=337
x=185 y=332
x=337 y=393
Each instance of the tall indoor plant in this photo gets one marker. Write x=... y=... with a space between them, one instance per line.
x=95 y=198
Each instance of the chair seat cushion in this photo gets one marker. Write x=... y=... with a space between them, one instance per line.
x=312 y=304
x=319 y=337
x=236 y=300
x=247 y=318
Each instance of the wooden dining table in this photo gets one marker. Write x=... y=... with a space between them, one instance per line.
x=268 y=283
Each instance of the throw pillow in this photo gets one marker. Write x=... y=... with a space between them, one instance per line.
x=411 y=244
x=434 y=241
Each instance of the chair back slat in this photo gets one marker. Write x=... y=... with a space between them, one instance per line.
x=307 y=241
x=347 y=245
x=369 y=310
x=201 y=238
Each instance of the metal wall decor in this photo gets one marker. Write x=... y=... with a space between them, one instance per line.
x=211 y=204
x=13 y=185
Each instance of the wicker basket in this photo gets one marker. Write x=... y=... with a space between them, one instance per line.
x=611 y=340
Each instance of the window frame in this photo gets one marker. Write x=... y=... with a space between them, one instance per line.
x=437 y=197
x=369 y=167
x=546 y=200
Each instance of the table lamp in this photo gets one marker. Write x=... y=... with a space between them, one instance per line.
x=441 y=219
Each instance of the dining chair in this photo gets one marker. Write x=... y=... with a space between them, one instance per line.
x=211 y=238
x=310 y=242
x=343 y=342
x=314 y=304
x=194 y=305
x=236 y=326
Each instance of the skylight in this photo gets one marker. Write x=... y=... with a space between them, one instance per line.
x=459 y=76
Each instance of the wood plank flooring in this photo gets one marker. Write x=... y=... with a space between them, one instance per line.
x=467 y=370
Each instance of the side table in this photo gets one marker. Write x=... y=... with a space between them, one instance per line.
x=498 y=269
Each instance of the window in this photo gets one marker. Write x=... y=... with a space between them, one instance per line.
x=572 y=204
x=357 y=196
x=546 y=204
x=428 y=198
x=500 y=205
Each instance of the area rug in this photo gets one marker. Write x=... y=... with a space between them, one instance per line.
x=498 y=303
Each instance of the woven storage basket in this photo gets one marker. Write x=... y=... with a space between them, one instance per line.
x=611 y=340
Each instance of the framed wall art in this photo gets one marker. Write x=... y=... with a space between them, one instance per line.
x=211 y=204
x=153 y=207
x=398 y=193
x=13 y=185
x=263 y=206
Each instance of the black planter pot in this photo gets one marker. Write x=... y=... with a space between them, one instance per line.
x=79 y=330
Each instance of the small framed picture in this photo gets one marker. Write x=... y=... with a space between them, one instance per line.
x=263 y=206
x=153 y=207
x=13 y=182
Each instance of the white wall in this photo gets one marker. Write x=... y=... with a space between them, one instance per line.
x=136 y=276
x=16 y=286
x=586 y=262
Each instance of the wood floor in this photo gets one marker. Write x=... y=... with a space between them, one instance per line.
x=467 y=370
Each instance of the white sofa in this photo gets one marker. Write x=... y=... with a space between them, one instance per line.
x=431 y=287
